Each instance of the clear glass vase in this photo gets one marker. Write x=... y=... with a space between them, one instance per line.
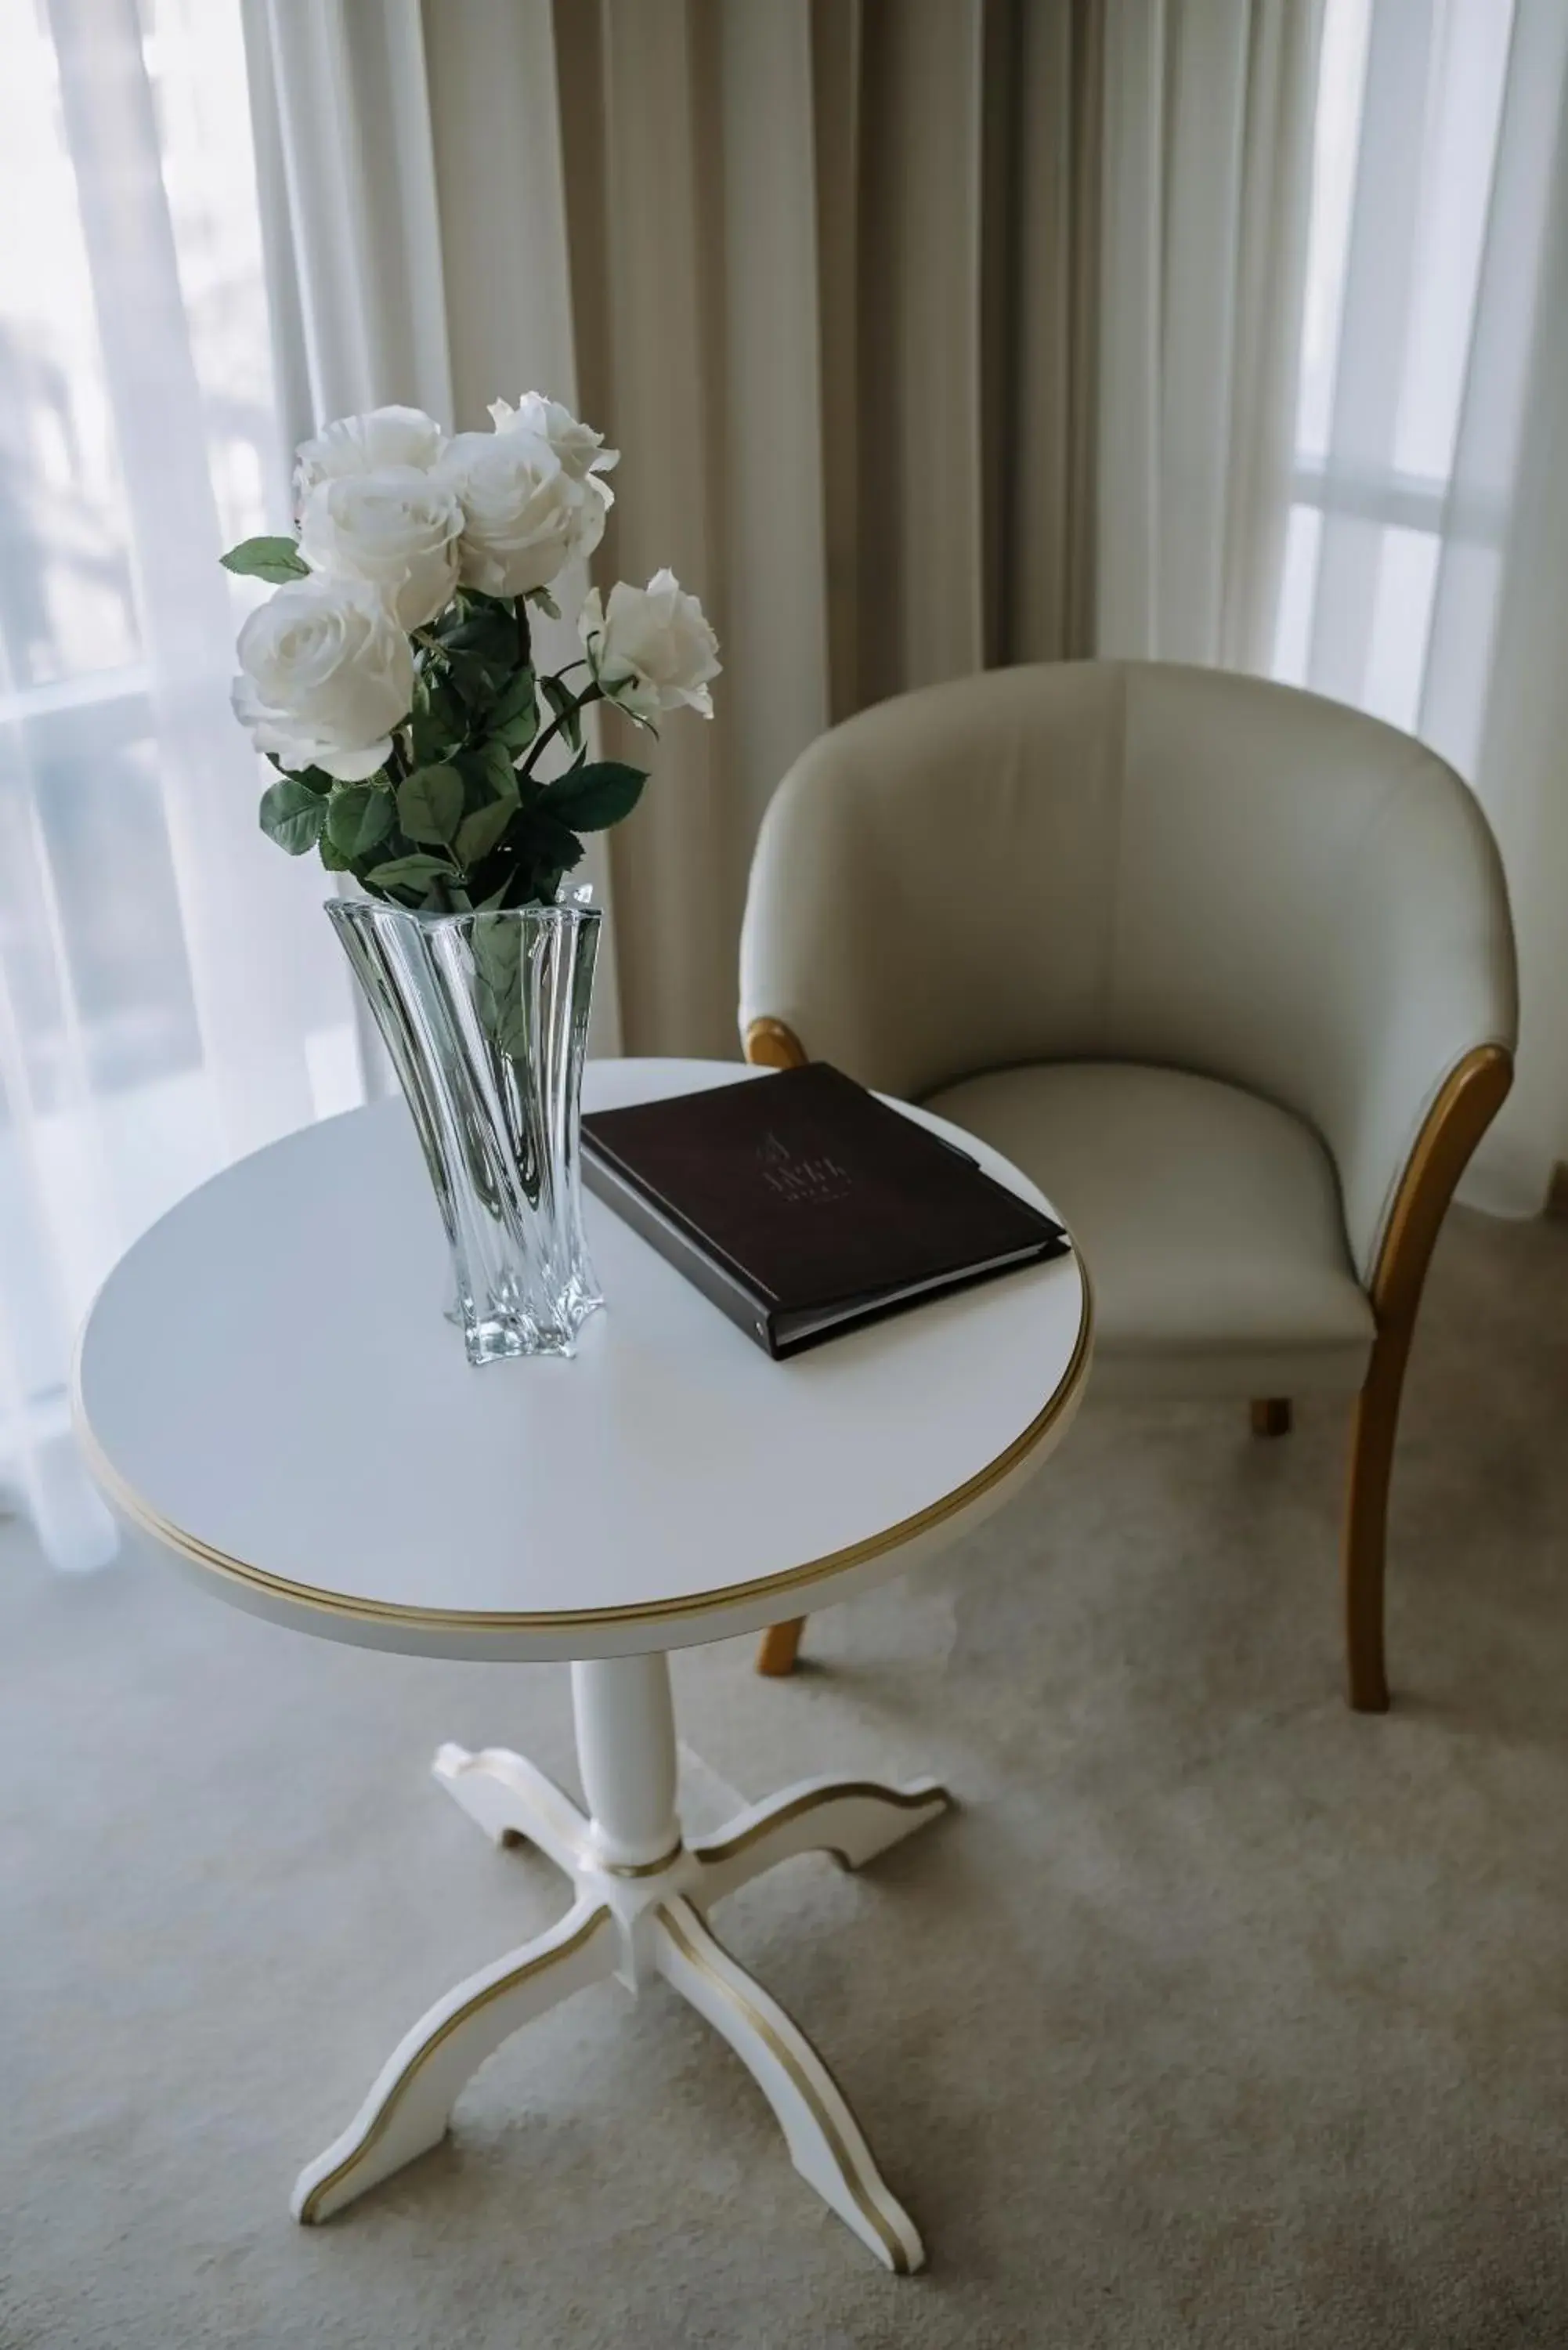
x=486 y=1017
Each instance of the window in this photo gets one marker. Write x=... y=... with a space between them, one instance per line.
x=1410 y=111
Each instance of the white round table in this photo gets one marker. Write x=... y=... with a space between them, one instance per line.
x=266 y=1384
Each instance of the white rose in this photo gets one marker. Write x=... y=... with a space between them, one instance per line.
x=524 y=516
x=328 y=675
x=580 y=449
x=361 y=444
x=397 y=528
x=652 y=648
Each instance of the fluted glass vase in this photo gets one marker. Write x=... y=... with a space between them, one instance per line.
x=486 y=1017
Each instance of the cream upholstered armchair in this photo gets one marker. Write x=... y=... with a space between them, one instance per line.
x=1228 y=969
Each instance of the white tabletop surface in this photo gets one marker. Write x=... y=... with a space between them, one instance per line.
x=268 y=1385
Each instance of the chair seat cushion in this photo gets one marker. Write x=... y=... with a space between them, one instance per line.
x=1209 y=1220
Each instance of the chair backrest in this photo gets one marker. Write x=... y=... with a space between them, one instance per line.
x=1139 y=861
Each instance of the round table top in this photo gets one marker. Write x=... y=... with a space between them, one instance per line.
x=267 y=1385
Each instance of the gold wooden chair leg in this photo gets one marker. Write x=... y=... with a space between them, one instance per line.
x=1376 y=1426
x=1272 y=1416
x=1463 y=1110
x=776 y=1648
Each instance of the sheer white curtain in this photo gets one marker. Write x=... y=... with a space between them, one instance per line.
x=167 y=995
x=1207 y=174
x=1427 y=572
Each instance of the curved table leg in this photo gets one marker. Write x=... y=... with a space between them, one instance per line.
x=641 y=1910
x=513 y=1799
x=854 y=1819
x=410 y=2106
x=822 y=2134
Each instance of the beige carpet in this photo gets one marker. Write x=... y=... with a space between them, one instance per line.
x=1217 y=2017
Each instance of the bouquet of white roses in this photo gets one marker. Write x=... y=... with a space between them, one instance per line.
x=390 y=678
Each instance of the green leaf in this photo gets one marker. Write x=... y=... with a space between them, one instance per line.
x=519 y=732
x=514 y=1034
x=479 y=638
x=332 y=857
x=471 y=679
x=515 y=720
x=477 y=624
x=498 y=952
x=316 y=779
x=493 y=761
x=430 y=804
x=478 y=834
x=545 y=600
x=293 y=815
x=554 y=848
x=496 y=899
x=590 y=799
x=564 y=703
x=515 y=698
x=437 y=722
x=410 y=872
x=266 y=558
x=358 y=818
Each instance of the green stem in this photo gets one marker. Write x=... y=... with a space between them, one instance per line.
x=593 y=692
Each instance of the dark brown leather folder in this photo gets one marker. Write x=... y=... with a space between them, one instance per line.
x=803 y=1206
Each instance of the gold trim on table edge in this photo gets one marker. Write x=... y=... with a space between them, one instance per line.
x=756 y=2016
x=935 y=1799
x=640 y=1867
x=129 y=1503
x=393 y=2098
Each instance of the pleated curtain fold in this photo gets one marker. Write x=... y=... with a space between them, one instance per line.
x=937 y=334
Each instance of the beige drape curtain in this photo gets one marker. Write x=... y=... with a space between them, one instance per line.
x=936 y=333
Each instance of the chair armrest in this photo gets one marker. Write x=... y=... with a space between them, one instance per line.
x=1466 y=1102
x=772 y=1044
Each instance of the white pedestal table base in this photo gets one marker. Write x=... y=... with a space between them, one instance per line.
x=641 y=1908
